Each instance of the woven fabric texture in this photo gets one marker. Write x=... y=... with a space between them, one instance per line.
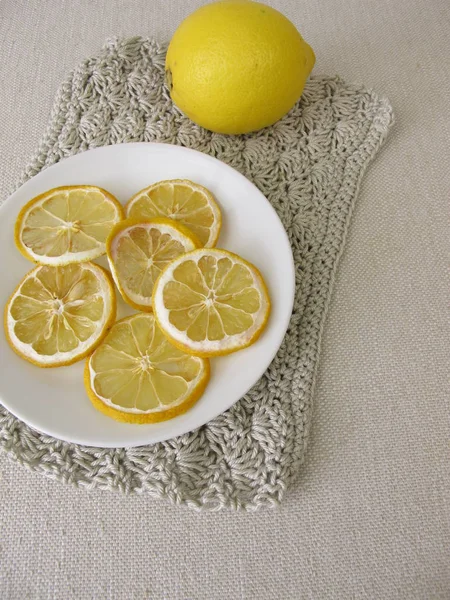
x=309 y=165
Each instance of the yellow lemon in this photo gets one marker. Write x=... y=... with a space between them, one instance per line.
x=237 y=66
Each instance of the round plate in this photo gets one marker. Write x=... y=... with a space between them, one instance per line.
x=54 y=400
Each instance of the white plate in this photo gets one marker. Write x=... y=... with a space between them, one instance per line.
x=53 y=400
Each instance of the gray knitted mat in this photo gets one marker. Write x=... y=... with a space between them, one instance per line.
x=309 y=165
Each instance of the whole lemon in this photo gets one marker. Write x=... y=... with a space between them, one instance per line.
x=237 y=66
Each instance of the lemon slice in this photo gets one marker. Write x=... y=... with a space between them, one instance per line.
x=67 y=224
x=211 y=302
x=57 y=315
x=182 y=200
x=139 y=250
x=137 y=376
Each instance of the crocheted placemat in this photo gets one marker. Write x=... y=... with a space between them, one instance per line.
x=309 y=165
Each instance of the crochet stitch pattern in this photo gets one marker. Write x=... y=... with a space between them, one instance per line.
x=309 y=165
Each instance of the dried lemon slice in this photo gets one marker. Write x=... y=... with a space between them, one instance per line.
x=182 y=200
x=67 y=224
x=137 y=376
x=139 y=250
x=57 y=315
x=211 y=302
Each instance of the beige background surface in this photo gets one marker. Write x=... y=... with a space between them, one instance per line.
x=370 y=515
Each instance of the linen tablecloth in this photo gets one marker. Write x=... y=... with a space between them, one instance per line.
x=369 y=516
